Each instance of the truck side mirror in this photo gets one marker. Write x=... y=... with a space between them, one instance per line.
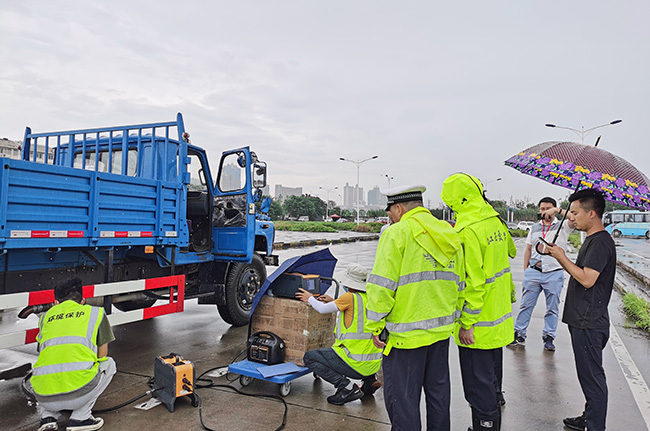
x=259 y=175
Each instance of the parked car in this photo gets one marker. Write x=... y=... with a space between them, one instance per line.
x=303 y=218
x=525 y=225
x=342 y=220
x=511 y=225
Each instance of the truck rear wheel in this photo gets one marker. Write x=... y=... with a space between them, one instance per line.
x=242 y=284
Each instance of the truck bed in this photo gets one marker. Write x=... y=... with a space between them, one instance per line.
x=57 y=206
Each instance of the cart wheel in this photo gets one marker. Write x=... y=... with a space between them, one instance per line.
x=245 y=380
x=285 y=388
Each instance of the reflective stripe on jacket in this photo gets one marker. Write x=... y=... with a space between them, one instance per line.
x=353 y=344
x=486 y=301
x=68 y=348
x=414 y=284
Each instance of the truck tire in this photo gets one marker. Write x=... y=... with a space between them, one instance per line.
x=242 y=284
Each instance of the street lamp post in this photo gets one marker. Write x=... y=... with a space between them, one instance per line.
x=358 y=163
x=488 y=182
x=327 y=204
x=388 y=177
x=582 y=133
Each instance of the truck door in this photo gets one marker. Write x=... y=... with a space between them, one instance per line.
x=233 y=212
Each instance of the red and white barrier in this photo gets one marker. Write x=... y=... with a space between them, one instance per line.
x=24 y=299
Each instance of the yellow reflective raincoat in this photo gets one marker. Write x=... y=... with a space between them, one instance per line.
x=414 y=284
x=486 y=301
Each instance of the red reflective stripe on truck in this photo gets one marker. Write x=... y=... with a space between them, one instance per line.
x=30 y=335
x=40 y=234
x=121 y=234
x=75 y=234
x=41 y=297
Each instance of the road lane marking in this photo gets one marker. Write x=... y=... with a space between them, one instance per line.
x=633 y=376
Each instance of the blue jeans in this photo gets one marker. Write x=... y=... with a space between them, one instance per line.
x=534 y=283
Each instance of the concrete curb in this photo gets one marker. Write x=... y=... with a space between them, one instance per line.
x=310 y=242
x=645 y=281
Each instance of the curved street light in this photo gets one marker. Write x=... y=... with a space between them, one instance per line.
x=327 y=204
x=488 y=182
x=358 y=163
x=582 y=133
x=388 y=177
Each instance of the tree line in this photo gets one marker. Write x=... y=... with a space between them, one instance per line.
x=317 y=209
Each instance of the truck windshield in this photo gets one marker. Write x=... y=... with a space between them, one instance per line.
x=116 y=168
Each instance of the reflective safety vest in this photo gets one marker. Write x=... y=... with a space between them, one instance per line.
x=68 y=348
x=353 y=344
x=486 y=301
x=414 y=284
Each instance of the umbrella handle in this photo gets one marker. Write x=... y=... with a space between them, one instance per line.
x=537 y=249
x=336 y=291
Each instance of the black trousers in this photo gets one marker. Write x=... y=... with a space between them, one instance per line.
x=328 y=365
x=588 y=345
x=481 y=371
x=406 y=372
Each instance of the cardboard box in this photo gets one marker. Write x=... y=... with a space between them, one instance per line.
x=301 y=327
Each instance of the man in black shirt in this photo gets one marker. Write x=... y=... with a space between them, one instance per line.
x=585 y=308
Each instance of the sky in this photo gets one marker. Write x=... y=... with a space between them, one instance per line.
x=430 y=87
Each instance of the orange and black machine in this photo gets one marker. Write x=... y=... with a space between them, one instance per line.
x=174 y=378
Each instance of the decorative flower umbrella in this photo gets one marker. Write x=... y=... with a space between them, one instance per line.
x=579 y=166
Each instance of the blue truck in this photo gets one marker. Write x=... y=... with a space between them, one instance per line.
x=134 y=202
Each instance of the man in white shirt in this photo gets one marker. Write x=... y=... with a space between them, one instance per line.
x=542 y=273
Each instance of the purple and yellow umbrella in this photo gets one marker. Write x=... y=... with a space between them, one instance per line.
x=580 y=166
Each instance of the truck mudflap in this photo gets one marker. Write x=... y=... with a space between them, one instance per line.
x=25 y=299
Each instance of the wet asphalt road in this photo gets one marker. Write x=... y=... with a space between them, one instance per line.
x=541 y=387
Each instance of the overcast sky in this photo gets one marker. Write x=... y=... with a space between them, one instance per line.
x=431 y=87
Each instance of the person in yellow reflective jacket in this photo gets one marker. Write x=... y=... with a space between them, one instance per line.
x=412 y=293
x=353 y=355
x=73 y=368
x=484 y=309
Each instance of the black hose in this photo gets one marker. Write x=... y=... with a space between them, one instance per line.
x=126 y=403
x=213 y=386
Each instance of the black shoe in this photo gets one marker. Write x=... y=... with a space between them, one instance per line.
x=548 y=343
x=519 y=340
x=90 y=424
x=48 y=424
x=501 y=401
x=577 y=423
x=370 y=385
x=343 y=396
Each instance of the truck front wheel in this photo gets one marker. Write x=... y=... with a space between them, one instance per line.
x=242 y=284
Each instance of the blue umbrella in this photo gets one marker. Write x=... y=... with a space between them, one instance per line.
x=320 y=262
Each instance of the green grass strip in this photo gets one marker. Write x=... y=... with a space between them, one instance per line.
x=638 y=310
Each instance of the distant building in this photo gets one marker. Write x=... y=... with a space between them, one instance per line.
x=350 y=196
x=266 y=190
x=281 y=193
x=375 y=198
x=13 y=150
x=230 y=178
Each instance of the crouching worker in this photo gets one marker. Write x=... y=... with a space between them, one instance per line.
x=353 y=355
x=73 y=368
